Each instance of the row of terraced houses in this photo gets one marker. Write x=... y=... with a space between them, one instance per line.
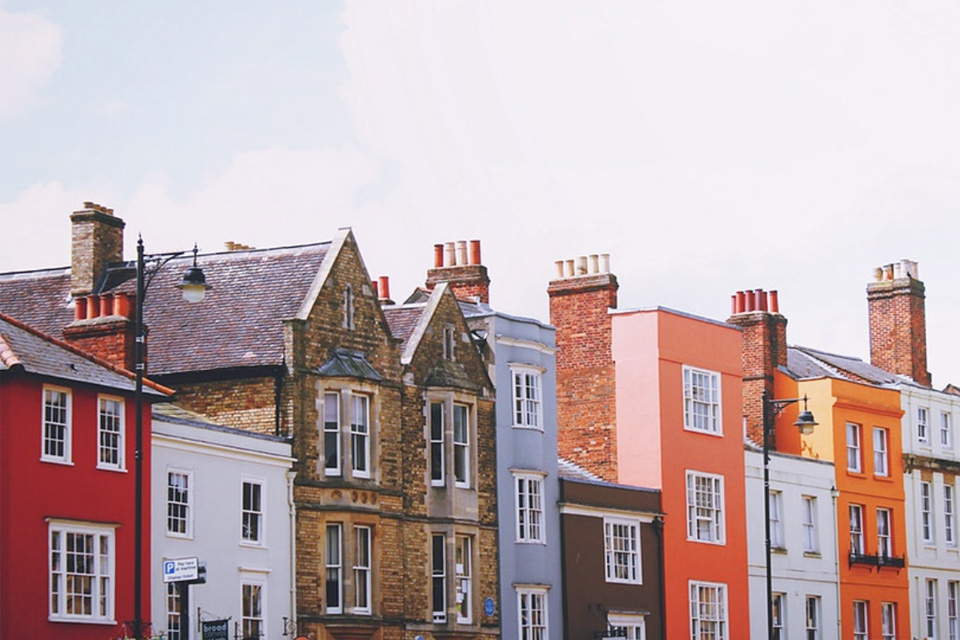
x=348 y=466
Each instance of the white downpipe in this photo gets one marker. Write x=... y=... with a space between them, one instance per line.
x=293 y=547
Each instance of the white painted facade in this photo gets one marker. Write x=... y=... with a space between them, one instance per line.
x=804 y=559
x=931 y=467
x=217 y=463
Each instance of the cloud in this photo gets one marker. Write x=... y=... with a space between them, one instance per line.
x=29 y=55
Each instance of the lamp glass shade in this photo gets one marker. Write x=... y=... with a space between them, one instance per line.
x=805 y=422
x=194 y=285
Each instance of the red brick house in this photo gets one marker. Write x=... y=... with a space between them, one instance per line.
x=66 y=489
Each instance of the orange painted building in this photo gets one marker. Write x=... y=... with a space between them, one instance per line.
x=668 y=386
x=859 y=430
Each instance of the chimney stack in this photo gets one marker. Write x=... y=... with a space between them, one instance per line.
x=580 y=301
x=898 y=321
x=453 y=263
x=97 y=240
x=103 y=326
x=764 y=348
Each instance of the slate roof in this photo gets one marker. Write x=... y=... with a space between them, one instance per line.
x=402 y=320
x=23 y=348
x=569 y=470
x=803 y=362
x=238 y=325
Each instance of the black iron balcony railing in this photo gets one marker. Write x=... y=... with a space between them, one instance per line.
x=878 y=561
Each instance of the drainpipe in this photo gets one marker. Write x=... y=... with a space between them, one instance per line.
x=834 y=494
x=293 y=548
x=278 y=396
x=658 y=528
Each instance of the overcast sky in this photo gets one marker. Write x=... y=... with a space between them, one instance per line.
x=708 y=147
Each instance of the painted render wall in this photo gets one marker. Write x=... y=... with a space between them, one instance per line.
x=650 y=348
x=797 y=573
x=220 y=459
x=523 y=341
x=938 y=463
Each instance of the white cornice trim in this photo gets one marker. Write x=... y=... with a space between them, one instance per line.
x=525 y=344
x=569 y=509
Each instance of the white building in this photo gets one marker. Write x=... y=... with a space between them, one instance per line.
x=931 y=466
x=803 y=535
x=223 y=496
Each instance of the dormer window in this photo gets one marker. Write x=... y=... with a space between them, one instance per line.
x=348 y=307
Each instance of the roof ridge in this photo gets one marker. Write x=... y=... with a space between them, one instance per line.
x=83 y=354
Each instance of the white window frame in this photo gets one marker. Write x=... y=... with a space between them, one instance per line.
x=253 y=515
x=884 y=533
x=438 y=571
x=362 y=569
x=102 y=577
x=946 y=430
x=811 y=533
x=953 y=621
x=333 y=565
x=360 y=433
x=463 y=578
x=532 y=614
x=778 y=624
x=702 y=408
x=949 y=515
x=854 y=448
x=527 y=385
x=66 y=425
x=708 y=619
x=530 y=522
x=923 y=425
x=812 y=615
x=256 y=618
x=438 y=430
x=776 y=520
x=174 y=614
x=461 y=444
x=930 y=608
x=111 y=433
x=881 y=453
x=712 y=515
x=856 y=529
x=332 y=419
x=861 y=620
x=185 y=505
x=927 y=531
x=621 y=550
x=628 y=626
x=888 y=621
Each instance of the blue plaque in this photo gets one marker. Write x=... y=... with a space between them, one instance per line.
x=489 y=607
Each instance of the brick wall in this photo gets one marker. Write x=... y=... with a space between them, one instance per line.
x=764 y=348
x=467 y=281
x=898 y=329
x=247 y=404
x=96 y=240
x=111 y=338
x=586 y=374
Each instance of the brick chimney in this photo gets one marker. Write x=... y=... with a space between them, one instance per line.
x=898 y=321
x=467 y=276
x=97 y=240
x=103 y=326
x=580 y=300
x=764 y=348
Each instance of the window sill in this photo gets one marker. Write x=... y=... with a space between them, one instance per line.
x=252 y=545
x=541 y=542
x=715 y=434
x=780 y=550
x=879 y=478
x=854 y=473
x=179 y=536
x=716 y=543
x=812 y=554
x=82 y=620
x=65 y=463
x=114 y=469
x=528 y=427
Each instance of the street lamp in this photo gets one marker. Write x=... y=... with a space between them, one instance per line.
x=194 y=287
x=805 y=423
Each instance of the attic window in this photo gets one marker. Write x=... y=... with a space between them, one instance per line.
x=348 y=307
x=448 y=343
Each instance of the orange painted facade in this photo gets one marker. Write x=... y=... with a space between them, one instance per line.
x=651 y=350
x=866 y=576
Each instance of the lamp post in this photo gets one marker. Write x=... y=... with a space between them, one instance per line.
x=194 y=288
x=805 y=423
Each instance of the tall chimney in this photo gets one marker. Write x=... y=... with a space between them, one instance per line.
x=580 y=300
x=898 y=321
x=764 y=348
x=467 y=277
x=97 y=240
x=103 y=327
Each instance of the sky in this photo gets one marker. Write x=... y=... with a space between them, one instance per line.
x=707 y=147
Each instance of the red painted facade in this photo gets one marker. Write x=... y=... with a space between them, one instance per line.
x=37 y=496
